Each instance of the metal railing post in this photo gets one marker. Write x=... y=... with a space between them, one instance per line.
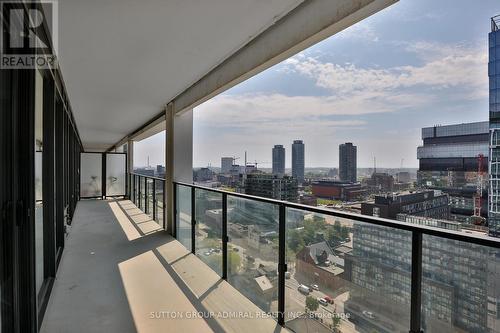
x=140 y=192
x=416 y=282
x=281 y=264
x=225 y=239
x=163 y=205
x=193 y=219
x=174 y=201
x=155 y=218
x=146 y=196
x=132 y=188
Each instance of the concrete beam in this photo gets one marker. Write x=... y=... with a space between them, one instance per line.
x=306 y=25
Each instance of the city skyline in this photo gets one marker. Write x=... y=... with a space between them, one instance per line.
x=371 y=85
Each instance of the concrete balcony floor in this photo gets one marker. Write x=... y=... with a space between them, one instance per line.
x=121 y=273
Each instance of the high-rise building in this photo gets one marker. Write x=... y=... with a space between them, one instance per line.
x=298 y=163
x=454 y=288
x=494 y=153
x=226 y=164
x=278 y=160
x=449 y=161
x=347 y=162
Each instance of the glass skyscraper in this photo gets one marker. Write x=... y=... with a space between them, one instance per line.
x=494 y=167
x=298 y=160
x=347 y=162
x=278 y=160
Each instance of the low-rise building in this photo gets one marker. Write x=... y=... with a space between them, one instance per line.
x=433 y=204
x=272 y=186
x=338 y=190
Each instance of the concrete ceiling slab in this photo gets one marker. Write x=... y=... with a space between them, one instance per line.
x=122 y=60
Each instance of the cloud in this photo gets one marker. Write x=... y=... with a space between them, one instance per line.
x=443 y=67
x=443 y=74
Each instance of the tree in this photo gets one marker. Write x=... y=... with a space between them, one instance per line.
x=337 y=226
x=336 y=322
x=344 y=232
x=312 y=304
x=234 y=261
x=295 y=240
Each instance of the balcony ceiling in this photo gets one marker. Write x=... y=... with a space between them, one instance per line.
x=123 y=60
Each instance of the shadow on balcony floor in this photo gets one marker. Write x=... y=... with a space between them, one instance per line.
x=120 y=272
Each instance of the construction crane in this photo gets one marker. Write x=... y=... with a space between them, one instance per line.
x=257 y=163
x=234 y=159
x=478 y=196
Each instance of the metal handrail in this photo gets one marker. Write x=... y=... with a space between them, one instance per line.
x=151 y=177
x=135 y=194
x=428 y=230
x=417 y=231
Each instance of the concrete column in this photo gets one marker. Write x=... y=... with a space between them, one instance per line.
x=178 y=156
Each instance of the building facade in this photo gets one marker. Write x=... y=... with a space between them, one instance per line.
x=380 y=182
x=226 y=164
x=348 y=162
x=298 y=161
x=454 y=287
x=432 y=204
x=272 y=186
x=449 y=160
x=278 y=160
x=494 y=151
x=338 y=190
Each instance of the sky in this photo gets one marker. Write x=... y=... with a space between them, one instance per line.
x=415 y=64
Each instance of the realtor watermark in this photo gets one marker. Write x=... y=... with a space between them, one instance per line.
x=241 y=315
x=29 y=36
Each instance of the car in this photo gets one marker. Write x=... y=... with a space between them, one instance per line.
x=315 y=287
x=304 y=289
x=329 y=299
x=322 y=301
x=368 y=314
x=207 y=253
x=288 y=275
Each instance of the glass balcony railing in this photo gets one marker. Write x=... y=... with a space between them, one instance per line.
x=147 y=194
x=324 y=270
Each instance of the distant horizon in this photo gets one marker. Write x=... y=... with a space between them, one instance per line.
x=289 y=169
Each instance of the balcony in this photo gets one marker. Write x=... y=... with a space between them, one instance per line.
x=88 y=245
x=121 y=272
x=236 y=261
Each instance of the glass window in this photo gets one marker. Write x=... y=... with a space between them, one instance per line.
x=115 y=174
x=460 y=280
x=360 y=274
x=183 y=218
x=91 y=175
x=209 y=228
x=159 y=202
x=253 y=250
